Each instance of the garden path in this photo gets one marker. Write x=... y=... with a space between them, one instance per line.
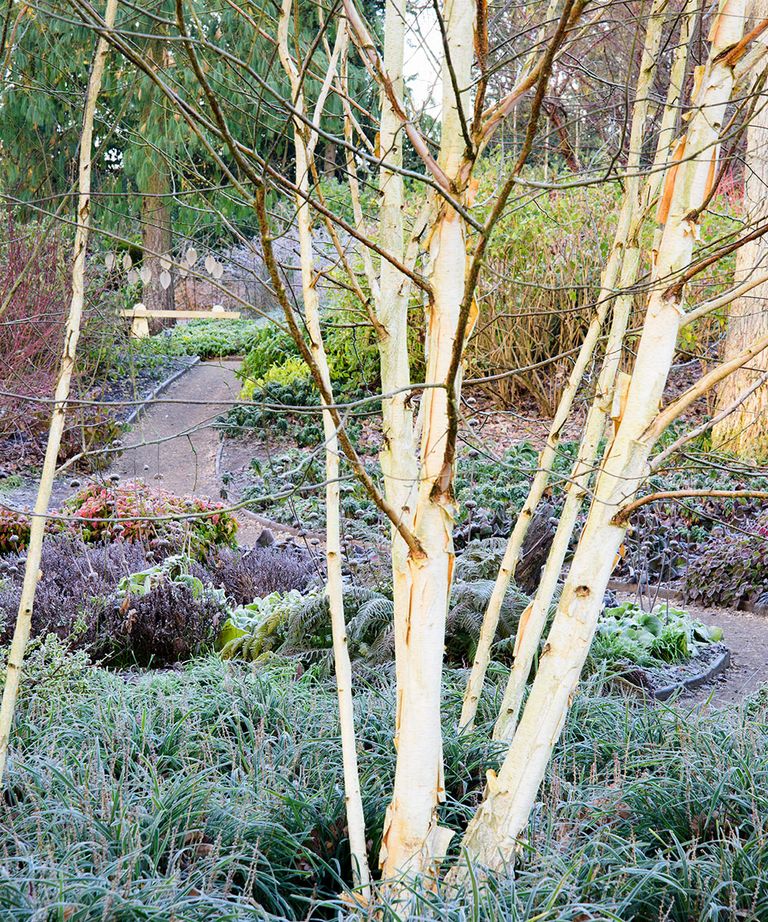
x=174 y=444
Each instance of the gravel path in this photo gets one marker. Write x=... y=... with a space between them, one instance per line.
x=746 y=636
x=185 y=462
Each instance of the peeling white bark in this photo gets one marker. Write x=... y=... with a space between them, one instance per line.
x=501 y=819
x=413 y=843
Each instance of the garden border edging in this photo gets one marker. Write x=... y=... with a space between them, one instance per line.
x=717 y=668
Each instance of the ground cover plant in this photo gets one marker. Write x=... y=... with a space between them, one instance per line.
x=663 y=635
x=215 y=791
x=131 y=511
x=490 y=492
x=210 y=339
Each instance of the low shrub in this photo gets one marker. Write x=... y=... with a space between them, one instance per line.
x=160 y=615
x=14 y=531
x=130 y=512
x=731 y=570
x=122 y=601
x=271 y=346
x=277 y=410
x=275 y=376
x=135 y=511
x=255 y=572
x=665 y=635
x=666 y=538
x=76 y=580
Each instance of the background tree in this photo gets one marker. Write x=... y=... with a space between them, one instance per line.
x=745 y=430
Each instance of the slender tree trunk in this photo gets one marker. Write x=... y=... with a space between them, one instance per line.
x=71 y=336
x=413 y=842
x=156 y=223
x=399 y=463
x=530 y=631
x=334 y=586
x=492 y=834
x=745 y=431
x=625 y=242
x=157 y=238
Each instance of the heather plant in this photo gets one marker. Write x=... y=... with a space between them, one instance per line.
x=160 y=615
x=76 y=580
x=254 y=572
x=125 y=601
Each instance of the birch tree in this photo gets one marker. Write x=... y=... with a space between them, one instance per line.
x=71 y=335
x=305 y=147
x=439 y=256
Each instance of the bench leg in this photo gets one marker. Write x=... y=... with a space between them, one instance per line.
x=140 y=328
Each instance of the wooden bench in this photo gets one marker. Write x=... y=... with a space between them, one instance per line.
x=139 y=316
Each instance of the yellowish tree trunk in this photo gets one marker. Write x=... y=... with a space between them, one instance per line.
x=745 y=431
x=71 y=336
x=399 y=462
x=532 y=626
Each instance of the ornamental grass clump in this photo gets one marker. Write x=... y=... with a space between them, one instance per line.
x=215 y=792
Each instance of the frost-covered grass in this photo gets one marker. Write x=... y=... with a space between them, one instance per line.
x=215 y=793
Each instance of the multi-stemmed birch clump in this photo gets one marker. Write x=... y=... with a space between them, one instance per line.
x=421 y=269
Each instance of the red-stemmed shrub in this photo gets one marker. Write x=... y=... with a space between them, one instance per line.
x=34 y=284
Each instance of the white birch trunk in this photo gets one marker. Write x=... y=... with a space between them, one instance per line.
x=399 y=463
x=624 y=238
x=413 y=843
x=334 y=585
x=492 y=834
x=71 y=336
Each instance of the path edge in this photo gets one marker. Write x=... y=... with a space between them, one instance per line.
x=157 y=390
